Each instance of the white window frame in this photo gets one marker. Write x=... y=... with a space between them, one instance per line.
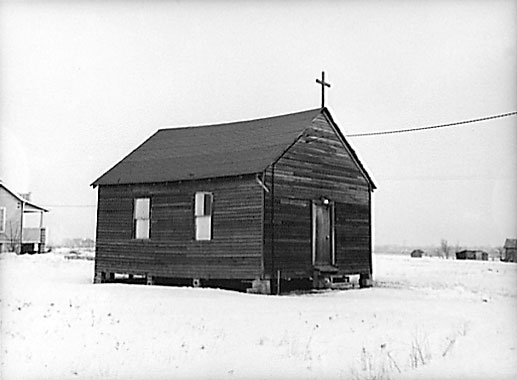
x=140 y=221
x=3 y=213
x=203 y=217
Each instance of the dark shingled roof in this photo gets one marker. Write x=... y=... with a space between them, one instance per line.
x=211 y=151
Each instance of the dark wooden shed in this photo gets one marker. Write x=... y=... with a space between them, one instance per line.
x=510 y=251
x=417 y=253
x=467 y=254
x=284 y=197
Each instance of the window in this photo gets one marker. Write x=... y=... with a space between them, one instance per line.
x=2 y=219
x=141 y=218
x=203 y=216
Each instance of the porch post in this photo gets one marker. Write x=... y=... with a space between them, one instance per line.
x=21 y=224
x=42 y=241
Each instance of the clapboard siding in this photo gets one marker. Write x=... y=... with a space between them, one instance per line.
x=235 y=250
x=352 y=228
x=292 y=237
x=317 y=165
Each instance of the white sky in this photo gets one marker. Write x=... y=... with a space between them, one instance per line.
x=84 y=83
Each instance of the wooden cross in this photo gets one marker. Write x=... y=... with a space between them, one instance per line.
x=323 y=84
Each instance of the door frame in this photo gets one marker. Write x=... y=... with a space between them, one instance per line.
x=321 y=202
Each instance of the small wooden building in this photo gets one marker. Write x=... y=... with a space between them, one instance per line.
x=510 y=251
x=417 y=253
x=21 y=222
x=467 y=254
x=283 y=197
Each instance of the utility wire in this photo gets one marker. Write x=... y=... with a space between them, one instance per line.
x=71 y=206
x=377 y=134
x=433 y=126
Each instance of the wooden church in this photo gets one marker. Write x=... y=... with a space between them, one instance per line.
x=260 y=202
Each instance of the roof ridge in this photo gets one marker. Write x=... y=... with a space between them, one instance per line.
x=237 y=122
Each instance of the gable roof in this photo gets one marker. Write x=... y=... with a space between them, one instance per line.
x=31 y=206
x=347 y=145
x=212 y=151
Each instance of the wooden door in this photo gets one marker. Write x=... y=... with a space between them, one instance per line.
x=322 y=234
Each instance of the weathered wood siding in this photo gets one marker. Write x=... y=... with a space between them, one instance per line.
x=235 y=250
x=352 y=241
x=317 y=165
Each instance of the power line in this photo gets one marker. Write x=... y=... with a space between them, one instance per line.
x=433 y=126
x=369 y=134
x=70 y=206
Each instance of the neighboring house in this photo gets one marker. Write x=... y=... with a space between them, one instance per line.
x=19 y=230
x=280 y=198
x=467 y=254
x=417 y=253
x=510 y=251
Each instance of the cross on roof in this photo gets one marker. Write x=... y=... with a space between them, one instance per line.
x=323 y=84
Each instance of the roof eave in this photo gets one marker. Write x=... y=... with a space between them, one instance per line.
x=35 y=206
x=243 y=174
x=96 y=182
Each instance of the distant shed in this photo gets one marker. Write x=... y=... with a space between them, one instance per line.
x=467 y=254
x=417 y=253
x=257 y=201
x=510 y=251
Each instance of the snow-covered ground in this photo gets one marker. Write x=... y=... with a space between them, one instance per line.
x=425 y=319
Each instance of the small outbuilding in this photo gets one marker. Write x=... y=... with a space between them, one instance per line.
x=472 y=255
x=417 y=253
x=259 y=201
x=510 y=251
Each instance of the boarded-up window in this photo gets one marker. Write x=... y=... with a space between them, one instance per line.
x=203 y=216
x=142 y=218
x=2 y=219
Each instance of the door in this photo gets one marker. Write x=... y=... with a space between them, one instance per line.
x=323 y=247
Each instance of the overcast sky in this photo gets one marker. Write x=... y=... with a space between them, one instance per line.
x=83 y=83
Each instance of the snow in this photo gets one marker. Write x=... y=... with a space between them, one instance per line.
x=425 y=319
